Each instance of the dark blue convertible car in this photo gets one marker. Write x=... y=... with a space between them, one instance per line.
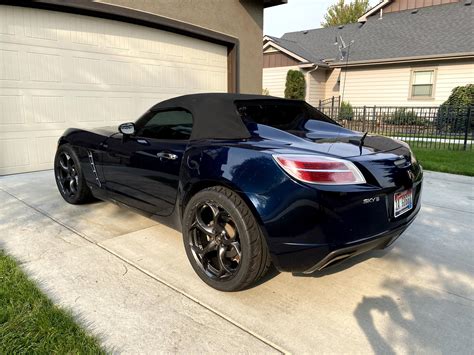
x=249 y=180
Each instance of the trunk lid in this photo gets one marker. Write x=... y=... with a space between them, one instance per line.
x=327 y=138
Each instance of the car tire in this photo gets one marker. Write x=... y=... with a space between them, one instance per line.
x=218 y=221
x=69 y=176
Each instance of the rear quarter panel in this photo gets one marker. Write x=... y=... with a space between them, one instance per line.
x=247 y=170
x=298 y=215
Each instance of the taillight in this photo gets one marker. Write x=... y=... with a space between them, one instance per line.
x=320 y=170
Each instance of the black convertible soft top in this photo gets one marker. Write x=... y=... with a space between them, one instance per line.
x=214 y=115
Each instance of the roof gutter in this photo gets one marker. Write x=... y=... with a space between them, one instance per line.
x=311 y=65
x=403 y=60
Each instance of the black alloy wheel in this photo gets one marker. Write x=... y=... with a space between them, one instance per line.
x=69 y=177
x=215 y=241
x=223 y=241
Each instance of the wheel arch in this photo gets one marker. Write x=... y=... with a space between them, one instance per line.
x=62 y=140
x=193 y=188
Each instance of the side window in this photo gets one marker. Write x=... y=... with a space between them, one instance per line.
x=173 y=124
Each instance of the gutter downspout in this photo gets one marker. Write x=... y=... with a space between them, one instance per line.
x=307 y=79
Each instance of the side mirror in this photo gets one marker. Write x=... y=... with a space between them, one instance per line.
x=127 y=129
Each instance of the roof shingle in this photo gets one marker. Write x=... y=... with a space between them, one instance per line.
x=430 y=31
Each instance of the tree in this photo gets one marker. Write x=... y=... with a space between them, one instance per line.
x=295 y=85
x=341 y=13
x=346 y=112
x=453 y=113
x=461 y=96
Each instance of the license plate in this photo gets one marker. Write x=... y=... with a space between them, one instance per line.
x=402 y=202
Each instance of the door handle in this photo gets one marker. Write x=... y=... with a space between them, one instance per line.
x=165 y=155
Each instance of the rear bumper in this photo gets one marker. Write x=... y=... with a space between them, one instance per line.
x=307 y=258
x=336 y=256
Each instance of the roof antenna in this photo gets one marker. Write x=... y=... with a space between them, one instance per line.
x=344 y=55
x=342 y=46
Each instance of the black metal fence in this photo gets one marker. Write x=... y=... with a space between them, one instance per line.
x=441 y=127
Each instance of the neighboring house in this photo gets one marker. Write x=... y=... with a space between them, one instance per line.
x=81 y=63
x=404 y=53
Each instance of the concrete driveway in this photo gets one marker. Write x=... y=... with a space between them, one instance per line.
x=128 y=279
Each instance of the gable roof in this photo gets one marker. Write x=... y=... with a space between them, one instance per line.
x=374 y=9
x=321 y=42
x=295 y=48
x=430 y=32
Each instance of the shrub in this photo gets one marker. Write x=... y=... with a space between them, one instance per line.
x=295 y=85
x=345 y=111
x=265 y=92
x=403 y=117
x=452 y=114
x=461 y=96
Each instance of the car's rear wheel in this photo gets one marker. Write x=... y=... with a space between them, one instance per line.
x=223 y=241
x=69 y=177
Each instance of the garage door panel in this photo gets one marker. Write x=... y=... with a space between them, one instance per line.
x=21 y=154
x=11 y=110
x=118 y=72
x=45 y=148
x=120 y=109
x=48 y=109
x=44 y=67
x=14 y=153
x=85 y=32
x=40 y=25
x=60 y=70
x=150 y=75
x=7 y=25
x=9 y=65
x=85 y=70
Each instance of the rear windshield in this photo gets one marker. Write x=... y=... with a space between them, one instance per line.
x=280 y=114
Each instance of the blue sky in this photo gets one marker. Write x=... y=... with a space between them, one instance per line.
x=296 y=15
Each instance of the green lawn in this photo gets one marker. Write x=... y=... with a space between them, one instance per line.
x=31 y=323
x=427 y=135
x=447 y=161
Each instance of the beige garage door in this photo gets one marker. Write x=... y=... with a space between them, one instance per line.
x=60 y=70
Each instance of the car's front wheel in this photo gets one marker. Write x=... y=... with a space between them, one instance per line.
x=223 y=240
x=69 y=177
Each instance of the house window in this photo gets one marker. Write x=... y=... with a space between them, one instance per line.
x=422 y=83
